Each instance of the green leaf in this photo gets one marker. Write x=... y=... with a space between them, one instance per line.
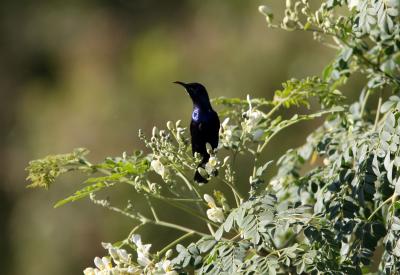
x=82 y=193
x=387 y=106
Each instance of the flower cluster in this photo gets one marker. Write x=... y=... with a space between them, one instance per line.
x=118 y=263
x=252 y=119
x=142 y=250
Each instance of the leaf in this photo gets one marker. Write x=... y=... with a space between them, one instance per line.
x=388 y=166
x=327 y=72
x=218 y=233
x=387 y=106
x=260 y=170
x=228 y=222
x=397 y=186
x=82 y=193
x=375 y=166
x=205 y=245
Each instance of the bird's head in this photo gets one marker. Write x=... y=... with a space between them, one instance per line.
x=197 y=92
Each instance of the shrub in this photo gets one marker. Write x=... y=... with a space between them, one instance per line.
x=332 y=206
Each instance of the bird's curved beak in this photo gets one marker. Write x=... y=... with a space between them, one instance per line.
x=180 y=83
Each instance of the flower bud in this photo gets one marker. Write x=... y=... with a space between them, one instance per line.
x=170 y=125
x=318 y=16
x=209 y=148
x=154 y=131
x=265 y=10
x=169 y=253
x=210 y=200
x=225 y=160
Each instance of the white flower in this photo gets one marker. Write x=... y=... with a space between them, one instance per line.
x=142 y=250
x=353 y=4
x=227 y=136
x=159 y=168
x=117 y=254
x=99 y=263
x=226 y=133
x=165 y=267
x=104 y=266
x=211 y=164
x=123 y=255
x=90 y=271
x=215 y=214
x=252 y=117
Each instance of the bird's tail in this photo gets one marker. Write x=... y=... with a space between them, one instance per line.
x=197 y=176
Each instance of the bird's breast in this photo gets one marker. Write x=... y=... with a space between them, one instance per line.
x=200 y=115
x=196 y=114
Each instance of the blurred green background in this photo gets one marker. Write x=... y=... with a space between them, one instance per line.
x=90 y=74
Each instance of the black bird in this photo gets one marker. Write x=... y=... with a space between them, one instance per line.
x=204 y=127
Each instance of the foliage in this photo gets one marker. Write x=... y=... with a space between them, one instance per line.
x=332 y=206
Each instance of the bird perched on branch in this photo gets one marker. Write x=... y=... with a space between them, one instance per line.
x=204 y=127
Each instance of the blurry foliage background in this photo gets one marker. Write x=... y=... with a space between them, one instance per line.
x=91 y=73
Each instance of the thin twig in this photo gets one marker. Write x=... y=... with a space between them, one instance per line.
x=379 y=207
x=378 y=110
x=175 y=242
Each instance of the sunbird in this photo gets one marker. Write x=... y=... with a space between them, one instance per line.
x=204 y=126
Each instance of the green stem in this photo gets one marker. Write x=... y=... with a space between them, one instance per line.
x=175 y=242
x=378 y=110
x=179 y=227
x=237 y=198
x=196 y=192
x=275 y=252
x=365 y=101
x=189 y=185
x=234 y=189
x=380 y=206
x=191 y=212
x=153 y=211
x=274 y=109
x=136 y=228
x=143 y=220
x=181 y=199
x=126 y=180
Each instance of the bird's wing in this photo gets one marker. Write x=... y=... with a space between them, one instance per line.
x=203 y=132
x=198 y=137
x=214 y=130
